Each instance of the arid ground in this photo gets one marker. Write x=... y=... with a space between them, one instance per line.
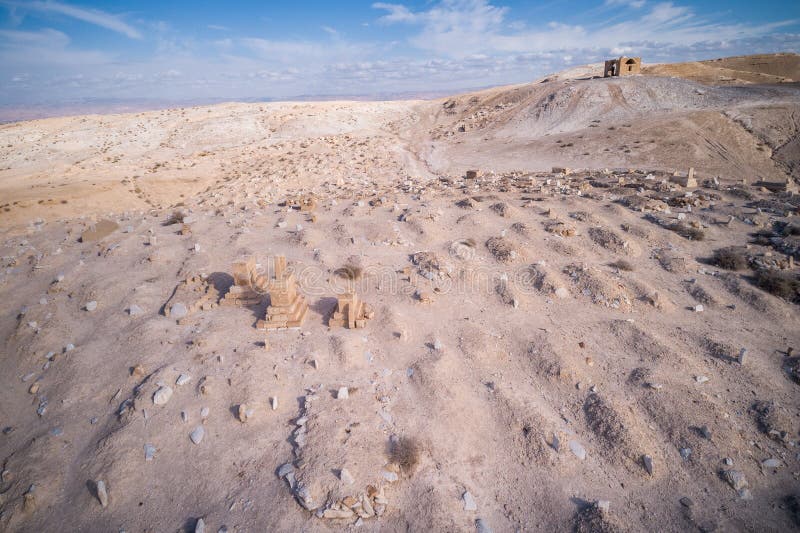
x=571 y=337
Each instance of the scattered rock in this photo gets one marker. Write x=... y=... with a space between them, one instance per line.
x=183 y=379
x=197 y=434
x=200 y=526
x=149 y=452
x=162 y=395
x=99 y=231
x=771 y=463
x=178 y=311
x=333 y=514
x=285 y=469
x=102 y=493
x=274 y=403
x=481 y=526
x=346 y=477
x=342 y=394
x=576 y=448
x=91 y=306
x=469 y=502
x=135 y=310
x=244 y=413
x=29 y=499
x=735 y=479
x=648 y=464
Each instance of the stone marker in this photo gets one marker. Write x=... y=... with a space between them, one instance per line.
x=576 y=448
x=162 y=395
x=346 y=477
x=99 y=231
x=102 y=494
x=648 y=464
x=197 y=434
x=469 y=502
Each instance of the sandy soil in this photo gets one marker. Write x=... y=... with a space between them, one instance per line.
x=578 y=351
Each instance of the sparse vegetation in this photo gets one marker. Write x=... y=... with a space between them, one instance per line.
x=781 y=284
x=405 y=452
x=687 y=232
x=730 y=258
x=349 y=272
x=501 y=249
x=622 y=264
x=175 y=218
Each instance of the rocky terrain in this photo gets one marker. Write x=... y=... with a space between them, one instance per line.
x=569 y=333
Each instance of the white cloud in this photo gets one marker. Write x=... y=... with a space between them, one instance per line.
x=458 y=28
x=397 y=13
x=447 y=46
x=92 y=16
x=629 y=3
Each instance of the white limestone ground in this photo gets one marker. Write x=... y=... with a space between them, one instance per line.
x=548 y=378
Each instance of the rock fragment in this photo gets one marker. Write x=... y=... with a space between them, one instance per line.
x=481 y=526
x=102 y=493
x=735 y=479
x=162 y=395
x=469 y=502
x=648 y=464
x=178 y=310
x=149 y=452
x=244 y=413
x=346 y=477
x=576 y=448
x=197 y=434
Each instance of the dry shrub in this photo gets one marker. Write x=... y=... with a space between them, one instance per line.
x=520 y=227
x=466 y=203
x=349 y=272
x=591 y=519
x=621 y=264
x=501 y=208
x=781 y=284
x=501 y=249
x=730 y=258
x=772 y=419
x=405 y=452
x=687 y=232
x=175 y=218
x=607 y=239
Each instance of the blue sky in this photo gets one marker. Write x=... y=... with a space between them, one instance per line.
x=59 y=51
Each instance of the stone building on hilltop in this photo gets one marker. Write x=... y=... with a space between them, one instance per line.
x=623 y=66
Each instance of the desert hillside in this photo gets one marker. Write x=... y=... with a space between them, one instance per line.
x=564 y=329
